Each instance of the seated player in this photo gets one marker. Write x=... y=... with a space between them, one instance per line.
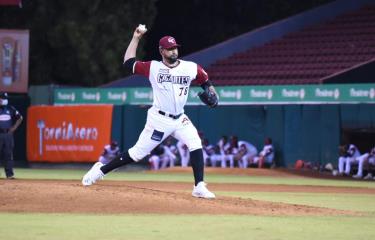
x=365 y=159
x=169 y=155
x=246 y=153
x=348 y=159
x=266 y=156
x=184 y=153
x=109 y=153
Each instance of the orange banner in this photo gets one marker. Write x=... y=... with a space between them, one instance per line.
x=68 y=133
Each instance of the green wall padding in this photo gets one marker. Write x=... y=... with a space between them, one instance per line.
x=366 y=114
x=307 y=132
x=330 y=133
x=292 y=134
x=274 y=129
x=245 y=122
x=311 y=133
x=134 y=120
x=117 y=125
x=350 y=116
x=41 y=94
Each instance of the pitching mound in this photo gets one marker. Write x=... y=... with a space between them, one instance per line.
x=119 y=197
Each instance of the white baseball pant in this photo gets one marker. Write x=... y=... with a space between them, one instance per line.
x=158 y=127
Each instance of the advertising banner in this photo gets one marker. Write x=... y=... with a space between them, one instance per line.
x=229 y=95
x=68 y=133
x=14 y=60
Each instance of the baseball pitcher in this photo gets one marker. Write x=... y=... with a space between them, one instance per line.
x=170 y=80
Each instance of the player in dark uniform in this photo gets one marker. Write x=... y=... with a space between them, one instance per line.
x=10 y=119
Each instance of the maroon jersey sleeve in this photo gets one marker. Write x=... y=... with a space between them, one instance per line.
x=142 y=68
x=202 y=76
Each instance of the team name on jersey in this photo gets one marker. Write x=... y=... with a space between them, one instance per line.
x=184 y=80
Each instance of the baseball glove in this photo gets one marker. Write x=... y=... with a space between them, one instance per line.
x=209 y=98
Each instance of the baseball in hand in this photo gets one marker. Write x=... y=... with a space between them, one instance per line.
x=142 y=28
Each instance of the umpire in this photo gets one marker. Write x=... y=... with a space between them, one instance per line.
x=10 y=119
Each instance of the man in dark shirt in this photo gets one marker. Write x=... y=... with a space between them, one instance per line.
x=10 y=119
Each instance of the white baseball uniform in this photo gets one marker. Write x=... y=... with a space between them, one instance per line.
x=168 y=157
x=166 y=116
x=210 y=154
x=108 y=154
x=251 y=152
x=224 y=146
x=155 y=157
x=367 y=157
x=352 y=154
x=184 y=153
x=154 y=161
x=229 y=153
x=268 y=154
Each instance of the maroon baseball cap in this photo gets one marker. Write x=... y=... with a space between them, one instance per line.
x=168 y=42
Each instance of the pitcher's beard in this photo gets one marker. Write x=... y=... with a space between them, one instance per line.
x=172 y=59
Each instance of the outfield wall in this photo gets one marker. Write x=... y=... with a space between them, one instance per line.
x=309 y=127
x=308 y=132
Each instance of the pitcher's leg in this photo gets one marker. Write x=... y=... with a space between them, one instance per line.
x=188 y=134
x=152 y=135
x=147 y=141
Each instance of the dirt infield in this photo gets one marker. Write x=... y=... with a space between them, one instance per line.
x=118 y=197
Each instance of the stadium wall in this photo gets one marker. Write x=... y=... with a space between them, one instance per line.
x=308 y=132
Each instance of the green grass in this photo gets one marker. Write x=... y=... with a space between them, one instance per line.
x=20 y=226
x=181 y=227
x=188 y=177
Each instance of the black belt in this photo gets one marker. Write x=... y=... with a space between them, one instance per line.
x=170 y=115
x=4 y=130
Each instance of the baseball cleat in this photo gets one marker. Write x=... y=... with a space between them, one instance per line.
x=93 y=175
x=201 y=191
x=368 y=176
x=357 y=176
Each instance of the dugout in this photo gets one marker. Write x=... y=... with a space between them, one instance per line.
x=309 y=132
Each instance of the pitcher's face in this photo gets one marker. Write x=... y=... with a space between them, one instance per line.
x=169 y=55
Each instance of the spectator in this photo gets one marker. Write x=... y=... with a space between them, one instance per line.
x=10 y=119
x=266 y=156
